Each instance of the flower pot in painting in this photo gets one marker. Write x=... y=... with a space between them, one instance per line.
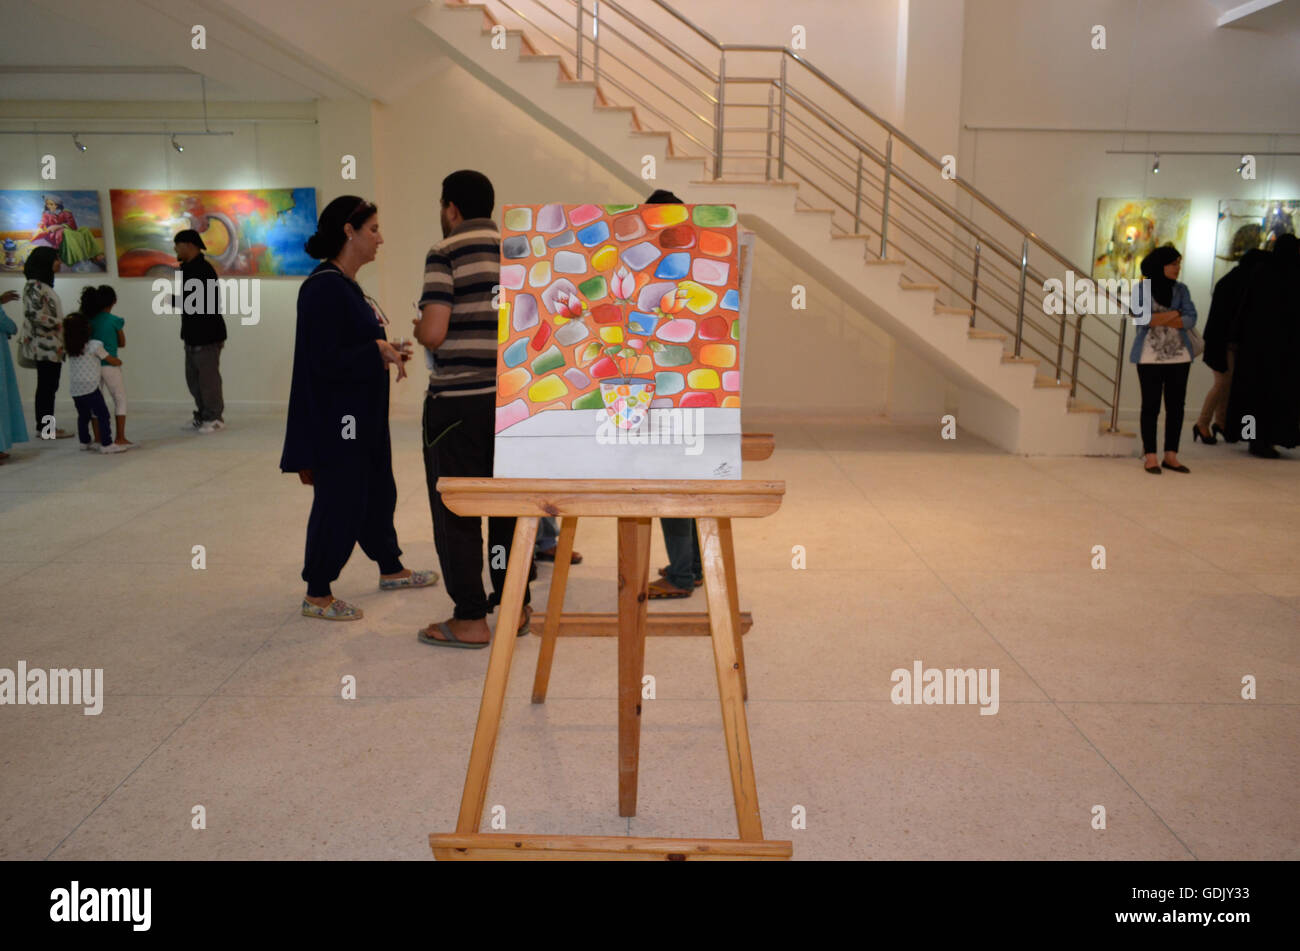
x=627 y=400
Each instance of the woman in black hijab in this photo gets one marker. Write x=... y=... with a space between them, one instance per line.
x=337 y=438
x=42 y=338
x=1162 y=351
x=1265 y=403
x=1219 y=357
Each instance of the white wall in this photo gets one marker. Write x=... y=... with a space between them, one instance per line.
x=823 y=358
x=1030 y=64
x=257 y=359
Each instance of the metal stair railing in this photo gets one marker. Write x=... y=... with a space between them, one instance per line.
x=849 y=160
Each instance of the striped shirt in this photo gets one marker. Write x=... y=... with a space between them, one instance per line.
x=463 y=270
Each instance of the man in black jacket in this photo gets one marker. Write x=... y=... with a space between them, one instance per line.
x=203 y=331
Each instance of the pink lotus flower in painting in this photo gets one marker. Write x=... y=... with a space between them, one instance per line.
x=622 y=285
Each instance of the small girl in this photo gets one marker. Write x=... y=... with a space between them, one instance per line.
x=84 y=355
x=106 y=327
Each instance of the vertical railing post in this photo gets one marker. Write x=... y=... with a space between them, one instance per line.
x=767 y=138
x=975 y=284
x=857 y=198
x=595 y=39
x=718 y=116
x=1074 y=364
x=1060 y=344
x=1119 y=375
x=578 y=44
x=780 y=135
x=1020 y=308
x=884 y=207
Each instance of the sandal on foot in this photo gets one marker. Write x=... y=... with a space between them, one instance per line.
x=337 y=611
x=549 y=555
x=664 y=589
x=524 y=629
x=663 y=573
x=416 y=579
x=448 y=639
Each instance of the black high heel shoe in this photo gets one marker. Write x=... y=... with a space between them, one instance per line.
x=1217 y=430
x=1197 y=437
x=1177 y=468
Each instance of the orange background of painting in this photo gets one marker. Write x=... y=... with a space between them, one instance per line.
x=574 y=351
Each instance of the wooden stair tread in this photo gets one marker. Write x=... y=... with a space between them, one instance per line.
x=985 y=334
x=917 y=286
x=877 y=261
x=1049 y=383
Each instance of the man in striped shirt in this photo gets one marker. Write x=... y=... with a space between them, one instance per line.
x=458 y=326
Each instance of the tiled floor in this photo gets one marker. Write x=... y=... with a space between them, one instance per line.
x=1118 y=687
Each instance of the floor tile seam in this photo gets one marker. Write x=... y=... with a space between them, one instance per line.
x=166 y=501
x=1295 y=609
x=1033 y=680
x=199 y=706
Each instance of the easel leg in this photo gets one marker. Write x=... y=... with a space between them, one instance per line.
x=733 y=594
x=509 y=613
x=740 y=758
x=633 y=593
x=554 y=606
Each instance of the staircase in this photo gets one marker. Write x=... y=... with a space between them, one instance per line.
x=835 y=188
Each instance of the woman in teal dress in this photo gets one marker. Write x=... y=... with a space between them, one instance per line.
x=13 y=428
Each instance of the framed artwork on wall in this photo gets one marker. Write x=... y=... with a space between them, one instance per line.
x=1128 y=229
x=1247 y=224
x=256 y=232
x=68 y=221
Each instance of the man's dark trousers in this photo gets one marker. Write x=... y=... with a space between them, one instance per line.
x=459 y=432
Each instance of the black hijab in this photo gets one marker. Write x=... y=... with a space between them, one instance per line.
x=1153 y=269
x=40 y=265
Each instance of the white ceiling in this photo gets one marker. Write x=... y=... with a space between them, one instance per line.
x=257 y=50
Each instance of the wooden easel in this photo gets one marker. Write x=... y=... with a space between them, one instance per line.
x=633 y=503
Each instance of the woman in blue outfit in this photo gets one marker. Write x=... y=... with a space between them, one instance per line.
x=337 y=435
x=13 y=428
x=1162 y=351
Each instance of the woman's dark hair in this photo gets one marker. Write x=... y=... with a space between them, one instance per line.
x=330 y=237
x=40 y=265
x=92 y=301
x=471 y=192
x=107 y=297
x=1153 y=269
x=76 y=333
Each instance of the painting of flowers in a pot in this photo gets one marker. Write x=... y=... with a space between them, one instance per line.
x=632 y=311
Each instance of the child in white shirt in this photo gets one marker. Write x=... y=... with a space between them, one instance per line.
x=84 y=356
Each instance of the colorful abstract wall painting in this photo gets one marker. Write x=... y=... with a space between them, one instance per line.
x=67 y=221
x=618 y=317
x=254 y=232
x=1247 y=224
x=1128 y=229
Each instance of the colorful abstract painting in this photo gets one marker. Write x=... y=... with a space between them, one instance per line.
x=1248 y=224
x=621 y=317
x=68 y=221
x=257 y=232
x=1128 y=229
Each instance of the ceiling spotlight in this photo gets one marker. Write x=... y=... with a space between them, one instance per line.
x=176 y=145
x=77 y=142
x=1155 y=169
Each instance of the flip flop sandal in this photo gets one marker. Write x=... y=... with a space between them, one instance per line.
x=549 y=555
x=662 y=589
x=416 y=579
x=337 y=611
x=663 y=573
x=450 y=639
x=524 y=628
